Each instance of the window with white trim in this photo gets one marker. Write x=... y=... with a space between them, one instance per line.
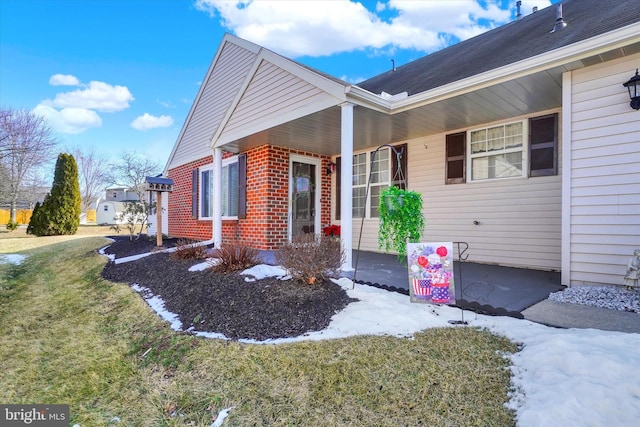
x=380 y=177
x=512 y=149
x=206 y=192
x=497 y=151
x=229 y=189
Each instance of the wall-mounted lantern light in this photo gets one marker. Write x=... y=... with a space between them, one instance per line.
x=331 y=168
x=633 y=86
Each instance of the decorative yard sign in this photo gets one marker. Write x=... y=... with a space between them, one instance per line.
x=431 y=272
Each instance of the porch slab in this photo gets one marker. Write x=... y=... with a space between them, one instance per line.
x=482 y=288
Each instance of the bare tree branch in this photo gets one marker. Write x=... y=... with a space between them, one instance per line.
x=94 y=175
x=131 y=170
x=26 y=143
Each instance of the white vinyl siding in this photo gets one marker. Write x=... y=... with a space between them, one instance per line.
x=605 y=175
x=519 y=219
x=220 y=89
x=274 y=96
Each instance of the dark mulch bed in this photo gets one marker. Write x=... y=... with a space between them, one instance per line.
x=263 y=309
x=123 y=246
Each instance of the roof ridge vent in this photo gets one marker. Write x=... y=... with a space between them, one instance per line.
x=560 y=22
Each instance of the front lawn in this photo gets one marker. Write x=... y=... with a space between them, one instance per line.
x=68 y=336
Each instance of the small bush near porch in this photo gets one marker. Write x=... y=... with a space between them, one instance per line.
x=311 y=258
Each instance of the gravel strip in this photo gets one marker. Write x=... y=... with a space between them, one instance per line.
x=614 y=298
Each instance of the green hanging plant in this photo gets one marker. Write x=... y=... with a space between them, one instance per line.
x=401 y=219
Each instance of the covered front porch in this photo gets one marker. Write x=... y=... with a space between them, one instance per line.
x=280 y=103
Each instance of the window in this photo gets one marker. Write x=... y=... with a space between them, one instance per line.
x=106 y=208
x=230 y=188
x=386 y=167
x=233 y=189
x=206 y=191
x=497 y=152
x=380 y=171
x=503 y=151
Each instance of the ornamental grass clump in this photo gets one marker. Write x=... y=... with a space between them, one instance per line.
x=311 y=258
x=230 y=257
x=401 y=219
x=187 y=249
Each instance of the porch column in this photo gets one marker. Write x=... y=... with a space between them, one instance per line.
x=217 y=197
x=346 y=184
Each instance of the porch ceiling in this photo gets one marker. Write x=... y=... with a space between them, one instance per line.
x=320 y=132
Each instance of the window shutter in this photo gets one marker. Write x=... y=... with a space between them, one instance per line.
x=338 y=192
x=402 y=148
x=543 y=145
x=194 y=193
x=456 y=145
x=242 y=186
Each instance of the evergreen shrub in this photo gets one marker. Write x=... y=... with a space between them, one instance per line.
x=59 y=214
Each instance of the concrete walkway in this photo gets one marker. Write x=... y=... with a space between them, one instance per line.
x=564 y=315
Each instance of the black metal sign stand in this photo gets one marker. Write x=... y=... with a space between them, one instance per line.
x=463 y=247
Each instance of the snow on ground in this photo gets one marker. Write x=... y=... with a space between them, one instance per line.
x=16 y=259
x=209 y=262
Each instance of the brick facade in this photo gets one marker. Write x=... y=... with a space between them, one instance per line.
x=181 y=223
x=266 y=223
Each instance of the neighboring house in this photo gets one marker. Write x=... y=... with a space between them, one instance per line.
x=521 y=141
x=113 y=204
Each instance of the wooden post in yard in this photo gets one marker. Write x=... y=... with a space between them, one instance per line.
x=159 y=184
x=159 y=218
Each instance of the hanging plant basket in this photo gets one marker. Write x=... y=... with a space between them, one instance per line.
x=394 y=202
x=401 y=220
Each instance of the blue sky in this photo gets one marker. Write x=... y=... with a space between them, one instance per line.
x=120 y=75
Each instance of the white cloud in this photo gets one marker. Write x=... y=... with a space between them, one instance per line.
x=64 y=80
x=147 y=121
x=69 y=120
x=75 y=111
x=96 y=95
x=317 y=28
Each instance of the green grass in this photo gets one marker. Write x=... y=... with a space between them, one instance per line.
x=67 y=336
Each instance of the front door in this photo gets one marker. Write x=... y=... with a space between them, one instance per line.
x=304 y=196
